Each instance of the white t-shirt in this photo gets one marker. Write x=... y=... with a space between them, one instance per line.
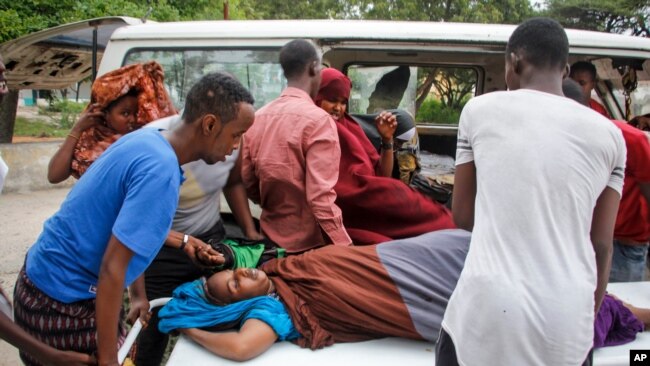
x=526 y=293
x=199 y=202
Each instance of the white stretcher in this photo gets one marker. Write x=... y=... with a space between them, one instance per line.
x=396 y=351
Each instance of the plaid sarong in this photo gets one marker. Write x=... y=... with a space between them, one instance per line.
x=60 y=325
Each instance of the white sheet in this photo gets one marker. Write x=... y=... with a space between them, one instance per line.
x=396 y=351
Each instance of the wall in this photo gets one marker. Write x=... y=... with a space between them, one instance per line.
x=28 y=166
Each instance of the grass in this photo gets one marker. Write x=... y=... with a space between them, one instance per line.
x=35 y=128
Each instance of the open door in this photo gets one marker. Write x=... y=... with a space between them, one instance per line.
x=58 y=57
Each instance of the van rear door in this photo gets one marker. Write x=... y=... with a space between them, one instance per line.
x=58 y=57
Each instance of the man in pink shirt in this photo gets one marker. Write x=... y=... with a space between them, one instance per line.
x=290 y=159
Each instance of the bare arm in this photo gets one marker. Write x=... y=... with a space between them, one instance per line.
x=139 y=305
x=464 y=196
x=47 y=355
x=235 y=194
x=250 y=341
x=602 y=235
x=201 y=253
x=110 y=287
x=60 y=167
x=386 y=124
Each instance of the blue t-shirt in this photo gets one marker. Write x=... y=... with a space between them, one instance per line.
x=130 y=191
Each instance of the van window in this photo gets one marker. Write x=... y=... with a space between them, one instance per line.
x=433 y=94
x=640 y=98
x=258 y=70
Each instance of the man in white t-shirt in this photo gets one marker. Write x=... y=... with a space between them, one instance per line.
x=538 y=180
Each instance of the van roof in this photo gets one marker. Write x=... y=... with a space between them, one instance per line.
x=362 y=30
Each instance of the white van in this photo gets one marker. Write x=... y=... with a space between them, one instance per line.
x=434 y=67
x=430 y=69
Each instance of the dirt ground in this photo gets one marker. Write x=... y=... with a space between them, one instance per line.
x=21 y=219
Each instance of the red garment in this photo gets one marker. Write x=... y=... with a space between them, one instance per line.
x=153 y=103
x=633 y=219
x=375 y=208
x=598 y=108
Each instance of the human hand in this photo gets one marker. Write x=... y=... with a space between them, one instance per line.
x=386 y=124
x=66 y=358
x=202 y=254
x=93 y=116
x=139 y=308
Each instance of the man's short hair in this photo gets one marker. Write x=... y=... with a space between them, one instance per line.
x=542 y=42
x=573 y=90
x=582 y=66
x=217 y=93
x=295 y=56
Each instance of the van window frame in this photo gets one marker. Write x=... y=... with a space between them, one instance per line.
x=480 y=82
x=183 y=49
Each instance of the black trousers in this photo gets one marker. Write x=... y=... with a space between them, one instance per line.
x=170 y=269
x=446 y=352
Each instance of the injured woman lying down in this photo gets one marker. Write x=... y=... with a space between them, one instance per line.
x=341 y=294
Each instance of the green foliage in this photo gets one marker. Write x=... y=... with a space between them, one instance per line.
x=297 y=9
x=434 y=111
x=66 y=106
x=473 y=11
x=63 y=112
x=69 y=111
x=615 y=16
x=26 y=16
x=26 y=127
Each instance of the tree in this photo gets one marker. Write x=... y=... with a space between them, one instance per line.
x=296 y=9
x=614 y=16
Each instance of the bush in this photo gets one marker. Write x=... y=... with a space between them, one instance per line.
x=65 y=105
x=69 y=111
x=433 y=111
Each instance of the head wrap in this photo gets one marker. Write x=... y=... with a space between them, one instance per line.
x=333 y=85
x=189 y=308
x=153 y=103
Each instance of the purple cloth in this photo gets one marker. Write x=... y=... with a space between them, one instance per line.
x=615 y=324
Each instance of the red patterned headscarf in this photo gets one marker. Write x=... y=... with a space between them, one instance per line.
x=153 y=103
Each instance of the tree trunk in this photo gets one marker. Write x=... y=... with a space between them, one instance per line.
x=8 y=108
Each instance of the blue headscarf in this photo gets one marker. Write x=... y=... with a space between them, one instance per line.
x=189 y=308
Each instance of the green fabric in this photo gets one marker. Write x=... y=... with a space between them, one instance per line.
x=248 y=256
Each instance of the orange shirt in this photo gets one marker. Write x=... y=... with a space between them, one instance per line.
x=290 y=164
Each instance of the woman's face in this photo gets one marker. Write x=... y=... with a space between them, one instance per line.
x=121 y=116
x=229 y=286
x=336 y=108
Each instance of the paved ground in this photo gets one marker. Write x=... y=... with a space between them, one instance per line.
x=21 y=219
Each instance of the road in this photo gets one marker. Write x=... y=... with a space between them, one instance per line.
x=21 y=218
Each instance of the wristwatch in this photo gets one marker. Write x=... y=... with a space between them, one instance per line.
x=386 y=145
x=186 y=238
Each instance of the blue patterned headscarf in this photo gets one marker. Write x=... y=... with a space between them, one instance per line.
x=189 y=308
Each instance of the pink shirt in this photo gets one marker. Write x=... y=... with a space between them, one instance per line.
x=290 y=164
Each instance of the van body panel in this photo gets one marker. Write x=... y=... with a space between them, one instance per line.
x=365 y=49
